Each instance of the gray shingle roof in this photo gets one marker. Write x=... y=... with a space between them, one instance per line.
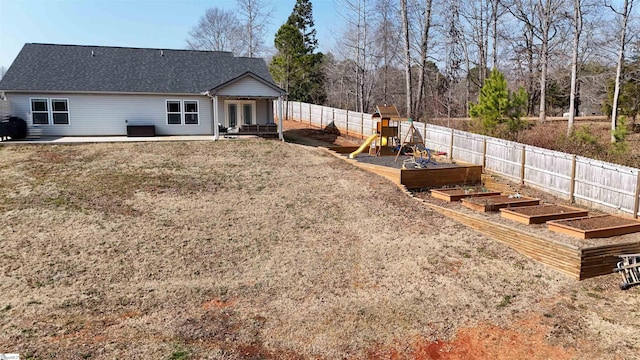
x=49 y=67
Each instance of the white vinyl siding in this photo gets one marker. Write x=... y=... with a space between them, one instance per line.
x=109 y=114
x=247 y=87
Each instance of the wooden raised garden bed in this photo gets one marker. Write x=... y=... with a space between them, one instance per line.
x=434 y=175
x=494 y=203
x=540 y=214
x=456 y=194
x=595 y=226
x=441 y=176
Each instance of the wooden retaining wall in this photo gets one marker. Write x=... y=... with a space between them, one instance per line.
x=600 y=260
x=578 y=263
x=561 y=257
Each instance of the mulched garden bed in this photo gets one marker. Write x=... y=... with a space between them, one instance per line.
x=595 y=226
x=542 y=213
x=390 y=161
x=456 y=194
x=494 y=203
x=540 y=230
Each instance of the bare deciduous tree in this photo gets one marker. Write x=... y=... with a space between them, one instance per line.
x=424 y=46
x=624 y=14
x=254 y=15
x=548 y=15
x=577 y=31
x=359 y=17
x=217 y=30
x=407 y=55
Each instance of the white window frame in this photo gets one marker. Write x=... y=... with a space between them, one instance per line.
x=59 y=112
x=166 y=109
x=50 y=111
x=240 y=114
x=185 y=113
x=182 y=112
x=46 y=101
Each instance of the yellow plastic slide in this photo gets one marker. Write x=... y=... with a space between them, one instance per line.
x=365 y=145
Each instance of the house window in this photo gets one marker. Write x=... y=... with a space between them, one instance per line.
x=40 y=111
x=182 y=112
x=174 y=112
x=60 y=111
x=191 y=112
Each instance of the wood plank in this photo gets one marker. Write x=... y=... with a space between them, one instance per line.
x=600 y=260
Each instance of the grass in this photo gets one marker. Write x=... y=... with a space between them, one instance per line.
x=260 y=249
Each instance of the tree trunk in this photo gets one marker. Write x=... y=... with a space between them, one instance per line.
x=577 y=30
x=494 y=24
x=627 y=6
x=407 y=54
x=544 y=58
x=423 y=54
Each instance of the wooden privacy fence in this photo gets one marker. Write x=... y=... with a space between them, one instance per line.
x=596 y=184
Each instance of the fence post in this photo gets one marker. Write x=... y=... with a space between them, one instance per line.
x=484 y=153
x=333 y=116
x=362 y=125
x=451 y=147
x=310 y=115
x=424 y=137
x=572 y=185
x=321 y=115
x=524 y=157
x=636 y=201
x=346 y=122
x=300 y=113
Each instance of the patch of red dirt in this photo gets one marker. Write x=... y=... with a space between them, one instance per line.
x=525 y=339
x=218 y=303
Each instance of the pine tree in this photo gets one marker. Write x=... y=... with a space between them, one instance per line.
x=302 y=18
x=296 y=67
x=498 y=111
x=285 y=66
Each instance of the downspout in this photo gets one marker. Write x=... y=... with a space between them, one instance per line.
x=280 y=136
x=214 y=114
x=216 y=121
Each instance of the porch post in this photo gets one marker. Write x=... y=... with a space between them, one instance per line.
x=280 y=118
x=214 y=119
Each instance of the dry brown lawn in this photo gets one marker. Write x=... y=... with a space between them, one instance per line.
x=261 y=249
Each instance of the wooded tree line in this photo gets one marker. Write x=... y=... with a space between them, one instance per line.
x=431 y=58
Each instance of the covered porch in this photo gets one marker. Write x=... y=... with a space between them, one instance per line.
x=245 y=106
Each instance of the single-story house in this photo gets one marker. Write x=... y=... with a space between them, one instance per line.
x=74 y=90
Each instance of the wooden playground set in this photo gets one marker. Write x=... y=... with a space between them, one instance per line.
x=407 y=162
x=404 y=159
